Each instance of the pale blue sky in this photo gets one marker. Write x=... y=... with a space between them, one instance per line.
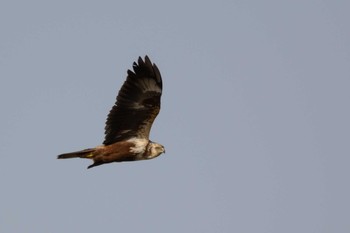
x=255 y=116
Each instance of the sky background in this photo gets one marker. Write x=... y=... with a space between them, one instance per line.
x=255 y=116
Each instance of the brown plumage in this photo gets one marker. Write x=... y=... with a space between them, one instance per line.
x=130 y=120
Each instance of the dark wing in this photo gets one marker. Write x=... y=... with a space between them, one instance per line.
x=138 y=104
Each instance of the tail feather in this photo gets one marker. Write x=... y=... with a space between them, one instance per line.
x=87 y=153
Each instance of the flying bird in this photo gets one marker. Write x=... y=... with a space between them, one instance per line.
x=130 y=120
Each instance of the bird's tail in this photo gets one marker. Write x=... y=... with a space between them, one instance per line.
x=87 y=153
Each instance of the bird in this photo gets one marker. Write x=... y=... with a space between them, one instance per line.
x=129 y=122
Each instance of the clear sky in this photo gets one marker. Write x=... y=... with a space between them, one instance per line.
x=255 y=116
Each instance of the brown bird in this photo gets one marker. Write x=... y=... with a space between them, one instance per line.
x=130 y=120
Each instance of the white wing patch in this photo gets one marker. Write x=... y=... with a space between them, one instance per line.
x=140 y=145
x=150 y=85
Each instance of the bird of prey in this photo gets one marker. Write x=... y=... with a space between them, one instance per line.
x=130 y=120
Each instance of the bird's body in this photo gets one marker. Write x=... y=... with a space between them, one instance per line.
x=129 y=122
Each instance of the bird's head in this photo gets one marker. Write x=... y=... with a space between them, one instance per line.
x=155 y=150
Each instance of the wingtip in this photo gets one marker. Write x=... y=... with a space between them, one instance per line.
x=147 y=60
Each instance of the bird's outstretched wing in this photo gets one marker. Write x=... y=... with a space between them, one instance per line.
x=137 y=105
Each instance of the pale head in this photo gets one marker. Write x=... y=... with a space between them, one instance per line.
x=154 y=150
